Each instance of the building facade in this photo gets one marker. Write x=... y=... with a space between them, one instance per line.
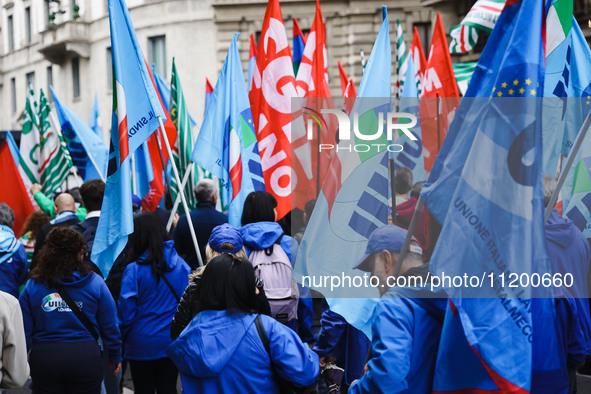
x=66 y=43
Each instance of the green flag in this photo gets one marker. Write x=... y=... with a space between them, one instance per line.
x=183 y=148
x=29 y=147
x=56 y=162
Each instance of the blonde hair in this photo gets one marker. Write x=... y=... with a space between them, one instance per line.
x=210 y=254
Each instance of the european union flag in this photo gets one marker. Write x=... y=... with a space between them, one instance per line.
x=486 y=190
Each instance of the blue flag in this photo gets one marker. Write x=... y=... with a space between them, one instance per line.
x=13 y=148
x=342 y=220
x=164 y=91
x=82 y=142
x=230 y=153
x=136 y=109
x=486 y=190
x=94 y=118
x=412 y=153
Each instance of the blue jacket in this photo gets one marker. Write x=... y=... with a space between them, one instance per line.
x=13 y=262
x=568 y=251
x=49 y=319
x=406 y=330
x=348 y=344
x=147 y=305
x=262 y=235
x=204 y=219
x=220 y=352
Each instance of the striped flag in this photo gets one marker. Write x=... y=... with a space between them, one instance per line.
x=482 y=16
x=136 y=109
x=298 y=46
x=463 y=73
x=29 y=163
x=56 y=162
x=400 y=58
x=559 y=20
x=181 y=152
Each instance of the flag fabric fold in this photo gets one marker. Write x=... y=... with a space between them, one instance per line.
x=270 y=96
x=93 y=123
x=420 y=61
x=136 y=109
x=231 y=154
x=482 y=16
x=79 y=135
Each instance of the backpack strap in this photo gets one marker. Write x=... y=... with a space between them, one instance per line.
x=77 y=311
x=172 y=290
x=269 y=250
x=263 y=335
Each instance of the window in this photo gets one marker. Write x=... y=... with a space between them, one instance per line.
x=109 y=69
x=157 y=53
x=28 y=32
x=10 y=33
x=49 y=81
x=424 y=29
x=30 y=78
x=76 y=77
x=47 y=13
x=13 y=94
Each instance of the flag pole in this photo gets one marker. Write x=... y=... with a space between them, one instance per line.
x=181 y=192
x=566 y=168
x=411 y=229
x=178 y=197
x=96 y=166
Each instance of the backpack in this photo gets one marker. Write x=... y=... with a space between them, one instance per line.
x=273 y=266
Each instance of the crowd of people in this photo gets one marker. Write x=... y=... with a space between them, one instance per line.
x=240 y=323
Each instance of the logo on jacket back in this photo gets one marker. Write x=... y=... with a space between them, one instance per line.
x=53 y=301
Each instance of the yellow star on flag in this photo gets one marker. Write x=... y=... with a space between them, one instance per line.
x=516 y=82
x=511 y=91
x=504 y=84
x=533 y=92
x=494 y=88
x=527 y=81
x=499 y=93
x=521 y=90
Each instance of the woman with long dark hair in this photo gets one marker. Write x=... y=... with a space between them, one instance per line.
x=65 y=308
x=151 y=286
x=228 y=349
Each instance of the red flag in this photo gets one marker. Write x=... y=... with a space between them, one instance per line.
x=14 y=193
x=418 y=56
x=273 y=87
x=344 y=78
x=253 y=46
x=440 y=95
x=312 y=82
x=208 y=86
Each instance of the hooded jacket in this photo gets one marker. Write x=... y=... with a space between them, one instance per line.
x=13 y=262
x=47 y=318
x=147 y=305
x=14 y=368
x=262 y=235
x=405 y=337
x=222 y=352
x=569 y=253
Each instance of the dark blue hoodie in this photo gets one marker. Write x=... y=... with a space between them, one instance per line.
x=13 y=262
x=147 y=305
x=569 y=253
x=47 y=317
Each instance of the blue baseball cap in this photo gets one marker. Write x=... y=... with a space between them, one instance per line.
x=390 y=237
x=225 y=233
